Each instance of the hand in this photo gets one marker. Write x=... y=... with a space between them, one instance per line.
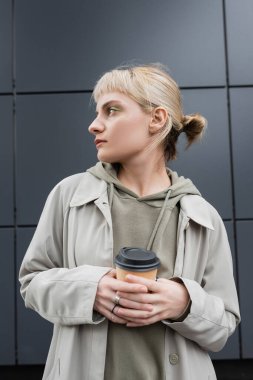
x=108 y=288
x=167 y=299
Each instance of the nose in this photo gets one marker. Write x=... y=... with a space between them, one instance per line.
x=96 y=127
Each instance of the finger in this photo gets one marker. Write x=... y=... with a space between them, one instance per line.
x=115 y=319
x=107 y=311
x=144 y=298
x=144 y=322
x=128 y=304
x=130 y=314
x=152 y=285
x=123 y=286
x=108 y=287
x=112 y=273
x=163 y=280
x=112 y=316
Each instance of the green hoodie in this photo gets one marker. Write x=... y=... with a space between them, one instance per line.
x=134 y=221
x=134 y=218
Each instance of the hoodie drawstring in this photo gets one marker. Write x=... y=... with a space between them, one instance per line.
x=159 y=219
x=158 y=222
x=111 y=194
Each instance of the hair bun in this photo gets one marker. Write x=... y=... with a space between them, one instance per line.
x=193 y=126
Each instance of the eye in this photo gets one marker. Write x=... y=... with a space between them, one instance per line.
x=111 y=110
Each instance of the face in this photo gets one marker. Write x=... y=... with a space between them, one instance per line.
x=121 y=128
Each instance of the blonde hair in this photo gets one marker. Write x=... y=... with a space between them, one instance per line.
x=151 y=86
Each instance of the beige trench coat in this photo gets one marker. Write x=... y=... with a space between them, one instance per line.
x=72 y=249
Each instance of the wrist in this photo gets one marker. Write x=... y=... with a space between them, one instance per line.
x=183 y=314
x=186 y=301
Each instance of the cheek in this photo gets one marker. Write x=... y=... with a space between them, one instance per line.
x=132 y=131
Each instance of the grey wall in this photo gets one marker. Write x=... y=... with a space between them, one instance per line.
x=51 y=53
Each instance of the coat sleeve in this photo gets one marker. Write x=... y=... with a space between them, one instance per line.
x=59 y=294
x=214 y=312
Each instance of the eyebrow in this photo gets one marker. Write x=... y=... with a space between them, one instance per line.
x=106 y=104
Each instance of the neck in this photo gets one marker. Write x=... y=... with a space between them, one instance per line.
x=144 y=178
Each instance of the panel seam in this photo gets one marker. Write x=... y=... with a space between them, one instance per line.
x=230 y=138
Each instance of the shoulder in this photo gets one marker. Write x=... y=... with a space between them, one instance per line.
x=201 y=211
x=69 y=184
x=75 y=186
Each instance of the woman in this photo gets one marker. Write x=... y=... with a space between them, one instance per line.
x=105 y=328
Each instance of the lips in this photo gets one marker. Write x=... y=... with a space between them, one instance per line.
x=99 y=141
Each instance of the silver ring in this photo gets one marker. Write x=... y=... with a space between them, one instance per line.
x=116 y=300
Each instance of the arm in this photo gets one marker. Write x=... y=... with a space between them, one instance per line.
x=214 y=312
x=58 y=294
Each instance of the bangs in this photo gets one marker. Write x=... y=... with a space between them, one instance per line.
x=115 y=80
x=146 y=85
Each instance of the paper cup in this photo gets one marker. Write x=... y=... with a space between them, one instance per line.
x=137 y=261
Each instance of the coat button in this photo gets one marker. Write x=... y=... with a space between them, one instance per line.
x=174 y=358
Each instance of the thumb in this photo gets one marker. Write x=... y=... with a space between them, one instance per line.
x=163 y=280
x=112 y=273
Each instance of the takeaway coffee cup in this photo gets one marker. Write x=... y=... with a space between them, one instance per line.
x=136 y=261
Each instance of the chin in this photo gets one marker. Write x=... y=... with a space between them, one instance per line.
x=113 y=162
x=105 y=158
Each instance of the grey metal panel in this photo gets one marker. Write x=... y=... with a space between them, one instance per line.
x=245 y=264
x=63 y=45
x=239 y=15
x=242 y=136
x=231 y=238
x=5 y=45
x=34 y=333
x=6 y=161
x=231 y=349
x=7 y=316
x=207 y=162
x=52 y=143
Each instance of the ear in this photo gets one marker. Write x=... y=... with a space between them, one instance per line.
x=159 y=117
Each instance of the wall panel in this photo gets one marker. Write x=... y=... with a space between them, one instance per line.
x=7 y=315
x=6 y=161
x=239 y=15
x=52 y=143
x=207 y=163
x=242 y=134
x=245 y=243
x=5 y=46
x=70 y=48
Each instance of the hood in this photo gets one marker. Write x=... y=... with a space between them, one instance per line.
x=180 y=186
x=166 y=199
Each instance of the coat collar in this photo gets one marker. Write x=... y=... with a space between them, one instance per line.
x=198 y=209
x=91 y=188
